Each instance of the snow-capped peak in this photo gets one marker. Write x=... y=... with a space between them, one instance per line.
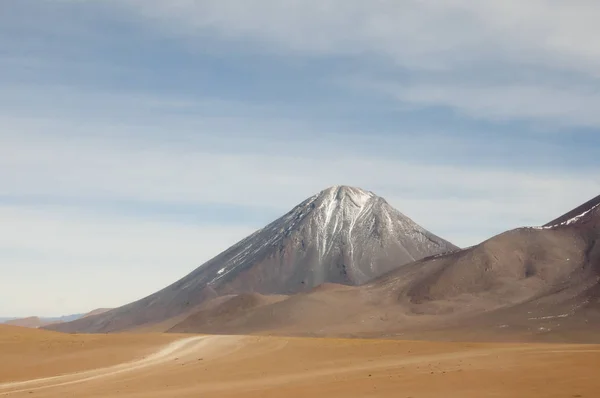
x=341 y=193
x=343 y=225
x=341 y=203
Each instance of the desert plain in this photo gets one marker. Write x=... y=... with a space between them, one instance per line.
x=40 y=363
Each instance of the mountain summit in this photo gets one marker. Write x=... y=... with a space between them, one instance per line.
x=342 y=235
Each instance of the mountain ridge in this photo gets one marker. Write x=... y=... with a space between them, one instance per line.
x=576 y=214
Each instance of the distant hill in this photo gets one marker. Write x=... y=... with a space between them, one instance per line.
x=37 y=322
x=29 y=322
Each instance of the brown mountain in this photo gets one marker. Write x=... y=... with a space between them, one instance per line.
x=537 y=283
x=342 y=235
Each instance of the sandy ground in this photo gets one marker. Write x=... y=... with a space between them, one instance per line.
x=254 y=366
x=31 y=353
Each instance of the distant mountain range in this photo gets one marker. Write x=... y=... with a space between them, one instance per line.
x=344 y=263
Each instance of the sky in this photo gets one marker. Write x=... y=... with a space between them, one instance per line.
x=140 y=138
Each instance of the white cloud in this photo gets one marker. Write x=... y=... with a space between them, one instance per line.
x=458 y=41
x=427 y=33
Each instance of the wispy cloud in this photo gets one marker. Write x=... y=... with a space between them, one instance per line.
x=460 y=41
x=552 y=106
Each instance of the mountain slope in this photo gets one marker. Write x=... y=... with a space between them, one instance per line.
x=342 y=235
x=587 y=211
x=533 y=283
x=97 y=311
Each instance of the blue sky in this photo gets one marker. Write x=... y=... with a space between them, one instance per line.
x=141 y=138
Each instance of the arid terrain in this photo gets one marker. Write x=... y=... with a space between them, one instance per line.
x=29 y=353
x=158 y=365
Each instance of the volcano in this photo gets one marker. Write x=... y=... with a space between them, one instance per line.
x=343 y=235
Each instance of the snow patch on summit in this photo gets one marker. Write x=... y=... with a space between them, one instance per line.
x=570 y=221
x=343 y=227
x=339 y=209
x=344 y=218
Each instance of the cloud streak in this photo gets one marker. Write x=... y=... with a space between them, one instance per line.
x=567 y=106
x=419 y=33
x=455 y=41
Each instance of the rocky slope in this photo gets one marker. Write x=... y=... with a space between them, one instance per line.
x=342 y=235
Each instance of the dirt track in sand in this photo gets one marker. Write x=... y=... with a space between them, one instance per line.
x=31 y=353
x=252 y=366
x=180 y=348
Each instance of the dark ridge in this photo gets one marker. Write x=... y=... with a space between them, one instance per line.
x=575 y=212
